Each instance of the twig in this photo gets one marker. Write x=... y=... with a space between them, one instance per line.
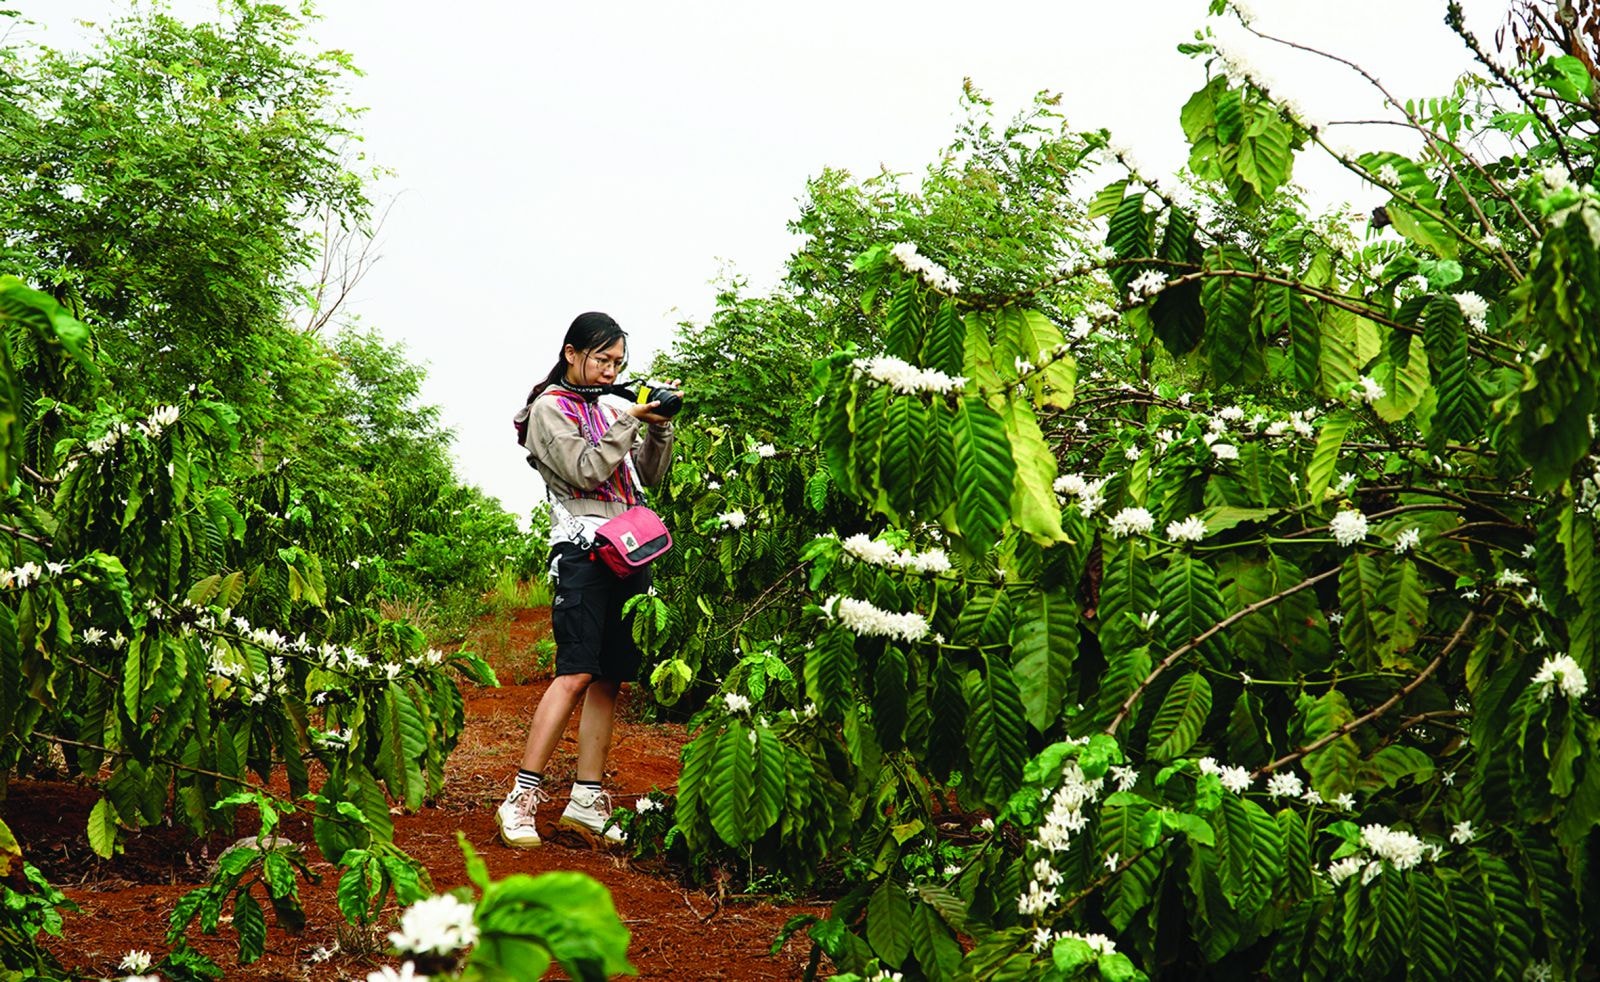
x=24 y=535
x=1382 y=707
x=1222 y=625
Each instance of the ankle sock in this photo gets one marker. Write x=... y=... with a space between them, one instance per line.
x=529 y=779
x=593 y=787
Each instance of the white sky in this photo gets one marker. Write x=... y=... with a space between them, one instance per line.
x=555 y=158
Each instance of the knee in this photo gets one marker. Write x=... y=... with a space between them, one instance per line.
x=575 y=683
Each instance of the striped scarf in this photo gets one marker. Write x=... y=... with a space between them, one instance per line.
x=593 y=420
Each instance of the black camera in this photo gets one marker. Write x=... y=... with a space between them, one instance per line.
x=671 y=399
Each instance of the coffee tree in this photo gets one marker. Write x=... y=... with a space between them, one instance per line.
x=1247 y=588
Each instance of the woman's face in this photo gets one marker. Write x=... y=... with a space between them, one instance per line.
x=598 y=366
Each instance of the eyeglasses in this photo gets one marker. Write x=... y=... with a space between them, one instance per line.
x=604 y=363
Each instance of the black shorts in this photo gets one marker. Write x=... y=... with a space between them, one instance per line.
x=592 y=636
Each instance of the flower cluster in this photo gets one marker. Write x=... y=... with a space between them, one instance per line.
x=1191 y=529
x=863 y=618
x=735 y=702
x=878 y=553
x=1090 y=494
x=936 y=276
x=1402 y=850
x=1475 y=309
x=646 y=804
x=153 y=425
x=1407 y=541
x=114 y=433
x=1368 y=390
x=1131 y=520
x=439 y=924
x=907 y=378
x=1066 y=808
x=407 y=973
x=1348 y=527
x=29 y=573
x=1235 y=779
x=766 y=450
x=135 y=962
x=1563 y=672
x=732 y=519
x=1146 y=284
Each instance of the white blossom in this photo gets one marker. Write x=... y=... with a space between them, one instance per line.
x=1345 y=868
x=1388 y=175
x=1402 y=850
x=1191 y=529
x=1345 y=802
x=1147 y=284
x=1511 y=577
x=1407 y=540
x=1224 y=451
x=1036 y=900
x=1126 y=777
x=1131 y=520
x=1561 y=671
x=1235 y=779
x=646 y=804
x=1098 y=943
x=440 y=924
x=863 y=618
x=732 y=520
x=1461 y=833
x=878 y=553
x=1475 y=309
x=1285 y=785
x=1045 y=873
x=766 y=450
x=135 y=961
x=1348 y=527
x=736 y=703
x=407 y=973
x=935 y=275
x=906 y=378
x=1368 y=390
x=93 y=635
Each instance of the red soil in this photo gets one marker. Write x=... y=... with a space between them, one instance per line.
x=676 y=932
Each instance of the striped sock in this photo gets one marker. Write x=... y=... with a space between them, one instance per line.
x=529 y=779
x=587 y=785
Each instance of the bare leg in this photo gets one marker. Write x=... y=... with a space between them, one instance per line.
x=594 y=728
x=550 y=719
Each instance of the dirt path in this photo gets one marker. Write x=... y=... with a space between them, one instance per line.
x=676 y=933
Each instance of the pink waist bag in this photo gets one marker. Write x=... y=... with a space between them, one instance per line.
x=632 y=540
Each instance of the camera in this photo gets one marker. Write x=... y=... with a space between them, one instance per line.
x=671 y=399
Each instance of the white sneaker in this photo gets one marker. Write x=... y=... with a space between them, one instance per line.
x=515 y=817
x=589 y=812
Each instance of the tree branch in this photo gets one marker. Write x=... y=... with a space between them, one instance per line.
x=1222 y=625
x=1382 y=707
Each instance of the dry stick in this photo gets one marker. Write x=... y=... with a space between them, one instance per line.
x=9 y=530
x=1379 y=710
x=1427 y=134
x=1222 y=625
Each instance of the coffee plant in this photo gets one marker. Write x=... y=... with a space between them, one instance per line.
x=1222 y=595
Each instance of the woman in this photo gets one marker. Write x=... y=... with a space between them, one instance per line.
x=595 y=453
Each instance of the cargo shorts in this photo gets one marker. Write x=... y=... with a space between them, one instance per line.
x=592 y=635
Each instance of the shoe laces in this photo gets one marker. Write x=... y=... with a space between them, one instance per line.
x=529 y=799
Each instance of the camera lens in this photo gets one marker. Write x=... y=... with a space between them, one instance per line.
x=671 y=401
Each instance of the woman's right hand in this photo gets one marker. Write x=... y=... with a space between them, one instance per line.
x=646 y=412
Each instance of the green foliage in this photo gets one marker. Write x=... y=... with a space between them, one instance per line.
x=1232 y=571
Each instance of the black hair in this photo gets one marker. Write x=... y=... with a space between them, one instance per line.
x=591 y=331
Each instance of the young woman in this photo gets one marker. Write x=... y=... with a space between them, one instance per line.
x=595 y=452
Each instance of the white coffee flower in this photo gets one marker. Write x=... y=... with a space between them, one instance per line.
x=407 y=973
x=1563 y=672
x=1147 y=284
x=440 y=924
x=1191 y=529
x=1462 y=833
x=1224 y=451
x=1388 y=175
x=935 y=275
x=863 y=618
x=733 y=519
x=766 y=450
x=1475 y=309
x=1348 y=527
x=1407 y=540
x=1368 y=390
x=1285 y=785
x=1131 y=520
x=736 y=703
x=646 y=804
x=135 y=961
x=906 y=378
x=1235 y=779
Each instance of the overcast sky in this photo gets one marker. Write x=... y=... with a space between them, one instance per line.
x=556 y=158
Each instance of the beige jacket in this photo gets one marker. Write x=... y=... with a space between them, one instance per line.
x=561 y=452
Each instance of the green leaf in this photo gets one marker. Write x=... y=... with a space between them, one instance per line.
x=1334 y=769
x=1461 y=412
x=984 y=473
x=944 y=347
x=251 y=924
x=1191 y=605
x=996 y=730
x=103 y=829
x=1044 y=644
x=1107 y=199
x=1404 y=383
x=1034 y=508
x=889 y=923
x=1232 y=347
x=830 y=670
x=1182 y=715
